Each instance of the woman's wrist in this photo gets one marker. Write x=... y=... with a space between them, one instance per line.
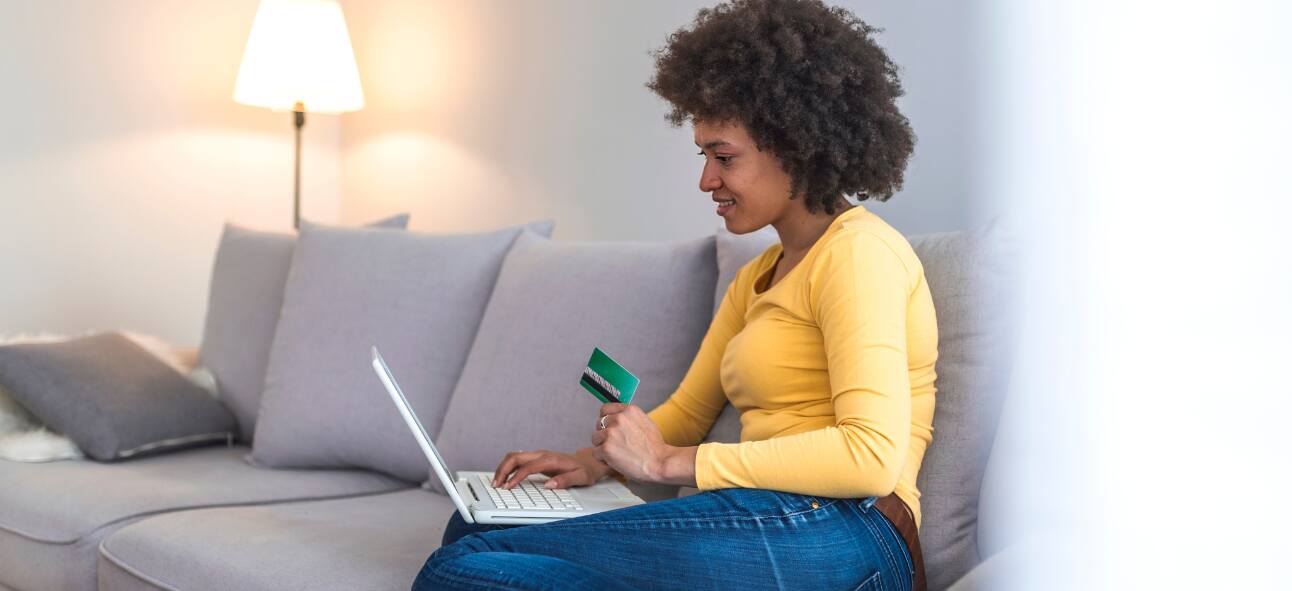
x=677 y=466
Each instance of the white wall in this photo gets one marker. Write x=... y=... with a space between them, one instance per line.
x=493 y=112
x=122 y=153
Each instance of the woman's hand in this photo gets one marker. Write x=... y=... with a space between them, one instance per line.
x=566 y=470
x=632 y=444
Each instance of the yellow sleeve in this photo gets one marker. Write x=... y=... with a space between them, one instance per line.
x=688 y=414
x=858 y=296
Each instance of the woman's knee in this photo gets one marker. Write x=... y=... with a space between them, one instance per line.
x=454 y=529
x=464 y=546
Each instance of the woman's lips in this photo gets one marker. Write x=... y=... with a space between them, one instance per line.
x=725 y=206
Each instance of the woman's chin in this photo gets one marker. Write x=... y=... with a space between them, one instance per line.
x=735 y=226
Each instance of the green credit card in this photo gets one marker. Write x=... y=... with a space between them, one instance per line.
x=607 y=380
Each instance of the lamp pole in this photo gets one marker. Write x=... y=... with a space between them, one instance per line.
x=298 y=115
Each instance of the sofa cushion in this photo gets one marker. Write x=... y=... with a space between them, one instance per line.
x=968 y=275
x=53 y=515
x=111 y=397
x=647 y=305
x=246 y=293
x=417 y=297
x=373 y=542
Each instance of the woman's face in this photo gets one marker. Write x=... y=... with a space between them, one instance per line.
x=751 y=187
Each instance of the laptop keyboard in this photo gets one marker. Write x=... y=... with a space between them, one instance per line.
x=528 y=496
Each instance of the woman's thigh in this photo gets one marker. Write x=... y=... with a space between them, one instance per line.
x=723 y=539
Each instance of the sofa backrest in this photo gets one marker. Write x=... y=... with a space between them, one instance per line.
x=969 y=281
x=248 y=278
x=647 y=305
x=967 y=278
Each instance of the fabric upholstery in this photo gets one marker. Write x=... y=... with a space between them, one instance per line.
x=112 y=576
x=111 y=397
x=29 y=564
x=647 y=305
x=417 y=297
x=373 y=542
x=246 y=294
x=51 y=521
x=969 y=274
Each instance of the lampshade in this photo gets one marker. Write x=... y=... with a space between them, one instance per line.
x=299 y=51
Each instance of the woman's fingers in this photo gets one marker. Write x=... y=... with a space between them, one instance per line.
x=577 y=477
x=605 y=422
x=511 y=461
x=547 y=462
x=610 y=408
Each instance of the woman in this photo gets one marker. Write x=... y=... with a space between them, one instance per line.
x=826 y=343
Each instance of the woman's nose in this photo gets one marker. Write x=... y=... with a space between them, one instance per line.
x=710 y=181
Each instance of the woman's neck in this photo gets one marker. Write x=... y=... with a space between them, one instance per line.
x=800 y=231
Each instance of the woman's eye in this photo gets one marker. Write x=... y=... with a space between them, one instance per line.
x=721 y=159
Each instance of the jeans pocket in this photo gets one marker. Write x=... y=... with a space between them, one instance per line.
x=760 y=501
x=797 y=503
x=871 y=583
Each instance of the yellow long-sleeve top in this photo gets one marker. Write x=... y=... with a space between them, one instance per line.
x=832 y=370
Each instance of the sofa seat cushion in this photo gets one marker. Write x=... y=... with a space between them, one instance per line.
x=53 y=515
x=371 y=542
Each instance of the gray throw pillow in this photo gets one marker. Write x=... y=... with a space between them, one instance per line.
x=112 y=398
x=246 y=294
x=417 y=297
x=647 y=305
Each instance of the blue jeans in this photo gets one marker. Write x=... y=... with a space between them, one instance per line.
x=737 y=538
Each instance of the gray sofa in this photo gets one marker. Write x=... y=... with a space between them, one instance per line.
x=209 y=519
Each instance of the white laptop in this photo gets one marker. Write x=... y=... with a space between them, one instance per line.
x=479 y=502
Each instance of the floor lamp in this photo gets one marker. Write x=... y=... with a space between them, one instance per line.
x=299 y=57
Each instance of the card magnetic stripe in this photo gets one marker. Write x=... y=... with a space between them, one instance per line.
x=587 y=380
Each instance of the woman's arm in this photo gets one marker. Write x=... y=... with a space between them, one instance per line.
x=688 y=414
x=859 y=300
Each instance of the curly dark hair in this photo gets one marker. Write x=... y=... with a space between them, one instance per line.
x=808 y=82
